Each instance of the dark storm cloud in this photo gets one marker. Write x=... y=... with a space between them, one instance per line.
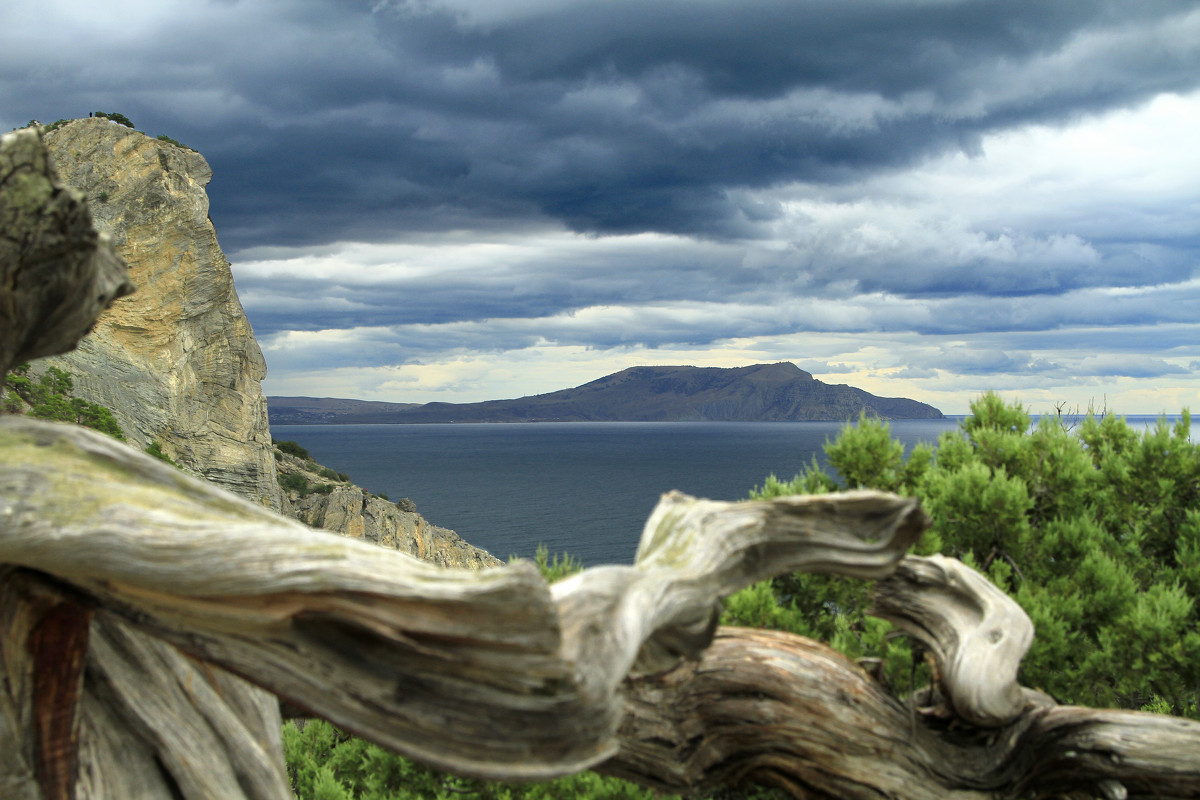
x=422 y=181
x=624 y=117
x=328 y=121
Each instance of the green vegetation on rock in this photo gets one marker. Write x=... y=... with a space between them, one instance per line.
x=155 y=449
x=120 y=119
x=51 y=398
x=162 y=137
x=293 y=449
x=294 y=482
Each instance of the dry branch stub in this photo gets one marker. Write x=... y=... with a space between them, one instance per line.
x=58 y=273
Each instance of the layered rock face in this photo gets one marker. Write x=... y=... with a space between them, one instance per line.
x=354 y=512
x=176 y=362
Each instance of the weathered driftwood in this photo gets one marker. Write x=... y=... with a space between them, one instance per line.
x=432 y=662
x=58 y=273
x=127 y=588
x=789 y=712
x=498 y=675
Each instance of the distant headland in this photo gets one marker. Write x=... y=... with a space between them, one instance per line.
x=780 y=392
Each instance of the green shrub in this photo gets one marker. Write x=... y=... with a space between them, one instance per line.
x=293 y=449
x=97 y=417
x=12 y=403
x=155 y=449
x=323 y=762
x=555 y=567
x=22 y=386
x=162 y=137
x=294 y=482
x=326 y=472
x=1094 y=531
x=51 y=399
x=120 y=119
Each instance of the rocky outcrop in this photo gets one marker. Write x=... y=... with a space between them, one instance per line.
x=176 y=362
x=336 y=505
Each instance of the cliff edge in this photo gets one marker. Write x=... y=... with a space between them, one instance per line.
x=177 y=362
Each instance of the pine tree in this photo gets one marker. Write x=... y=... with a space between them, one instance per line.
x=1094 y=530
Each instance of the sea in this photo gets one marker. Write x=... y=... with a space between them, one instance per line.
x=578 y=488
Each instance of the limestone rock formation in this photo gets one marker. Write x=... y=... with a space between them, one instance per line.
x=177 y=362
x=352 y=511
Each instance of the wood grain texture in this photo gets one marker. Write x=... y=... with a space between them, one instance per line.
x=56 y=271
x=429 y=661
x=58 y=647
x=791 y=713
x=496 y=674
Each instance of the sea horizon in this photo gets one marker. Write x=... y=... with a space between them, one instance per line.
x=579 y=488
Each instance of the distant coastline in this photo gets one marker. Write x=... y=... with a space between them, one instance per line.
x=780 y=392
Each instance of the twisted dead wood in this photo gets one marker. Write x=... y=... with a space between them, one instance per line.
x=788 y=712
x=490 y=673
x=123 y=582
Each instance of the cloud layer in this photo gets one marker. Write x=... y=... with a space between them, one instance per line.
x=463 y=200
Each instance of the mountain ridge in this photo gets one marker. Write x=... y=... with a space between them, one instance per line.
x=778 y=392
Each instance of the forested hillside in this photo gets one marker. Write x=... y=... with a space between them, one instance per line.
x=779 y=392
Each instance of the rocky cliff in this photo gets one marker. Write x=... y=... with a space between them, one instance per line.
x=177 y=361
x=326 y=501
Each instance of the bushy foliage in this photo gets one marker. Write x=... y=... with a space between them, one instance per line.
x=326 y=764
x=51 y=398
x=162 y=137
x=1094 y=530
x=293 y=449
x=120 y=119
x=553 y=567
x=294 y=482
x=155 y=449
x=12 y=403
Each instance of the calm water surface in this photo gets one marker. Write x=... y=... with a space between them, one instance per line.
x=580 y=488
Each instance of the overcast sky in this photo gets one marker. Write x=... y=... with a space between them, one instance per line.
x=474 y=199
